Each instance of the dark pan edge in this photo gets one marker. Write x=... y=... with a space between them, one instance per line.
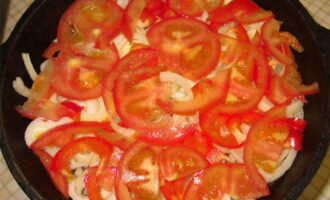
x=322 y=37
x=7 y=153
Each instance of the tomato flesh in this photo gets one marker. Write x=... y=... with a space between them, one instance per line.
x=62 y=158
x=220 y=179
x=140 y=163
x=178 y=162
x=95 y=181
x=88 y=22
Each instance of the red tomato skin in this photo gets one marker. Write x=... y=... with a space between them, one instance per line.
x=75 y=23
x=132 y=14
x=207 y=93
x=232 y=10
x=277 y=112
x=174 y=190
x=269 y=33
x=161 y=38
x=211 y=122
x=220 y=179
x=97 y=145
x=168 y=136
x=59 y=180
x=122 y=180
x=94 y=182
x=204 y=62
x=61 y=135
x=171 y=170
x=66 y=79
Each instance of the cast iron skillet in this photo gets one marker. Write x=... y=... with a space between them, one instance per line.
x=36 y=30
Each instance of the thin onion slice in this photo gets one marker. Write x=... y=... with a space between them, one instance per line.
x=286 y=161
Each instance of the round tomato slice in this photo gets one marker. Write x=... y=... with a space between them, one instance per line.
x=88 y=22
x=96 y=181
x=138 y=173
x=173 y=35
x=136 y=91
x=197 y=60
x=193 y=8
x=80 y=77
x=220 y=179
x=97 y=145
x=177 y=162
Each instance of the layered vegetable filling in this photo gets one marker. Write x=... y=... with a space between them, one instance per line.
x=153 y=99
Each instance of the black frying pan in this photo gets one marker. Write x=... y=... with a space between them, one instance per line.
x=37 y=28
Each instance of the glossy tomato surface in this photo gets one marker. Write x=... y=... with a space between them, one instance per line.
x=27 y=170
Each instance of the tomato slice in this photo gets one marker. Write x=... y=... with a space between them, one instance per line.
x=174 y=190
x=255 y=17
x=97 y=145
x=132 y=14
x=198 y=142
x=233 y=10
x=173 y=35
x=61 y=135
x=236 y=48
x=220 y=179
x=254 y=156
x=193 y=8
x=80 y=77
x=273 y=40
x=177 y=162
x=162 y=11
x=197 y=60
x=136 y=92
x=138 y=173
x=215 y=127
x=206 y=93
x=96 y=181
x=88 y=22
x=59 y=180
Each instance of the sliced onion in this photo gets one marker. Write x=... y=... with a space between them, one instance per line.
x=179 y=80
x=122 y=44
x=226 y=197
x=94 y=110
x=76 y=188
x=239 y=136
x=140 y=36
x=119 y=129
x=84 y=160
x=44 y=64
x=237 y=154
x=29 y=66
x=38 y=127
x=252 y=29
x=204 y=16
x=295 y=109
x=52 y=150
x=265 y=104
x=20 y=87
x=286 y=161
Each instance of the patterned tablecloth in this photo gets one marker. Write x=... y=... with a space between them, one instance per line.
x=318 y=189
